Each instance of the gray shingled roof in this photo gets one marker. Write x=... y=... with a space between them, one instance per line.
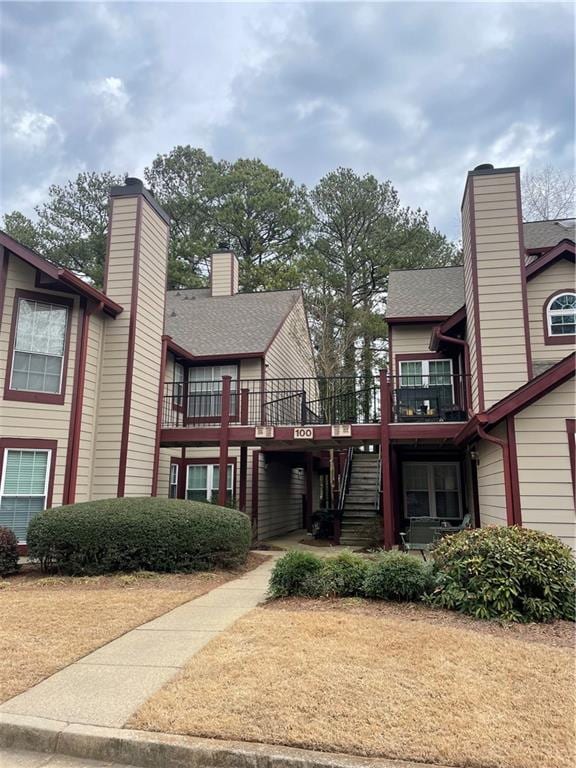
x=225 y=325
x=423 y=292
x=546 y=234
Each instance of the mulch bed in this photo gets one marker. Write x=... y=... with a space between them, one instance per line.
x=561 y=634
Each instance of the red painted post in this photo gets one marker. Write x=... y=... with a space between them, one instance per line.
x=255 y=494
x=244 y=399
x=224 y=437
x=387 y=495
x=243 y=477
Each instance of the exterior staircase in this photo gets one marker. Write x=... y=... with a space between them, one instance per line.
x=360 y=514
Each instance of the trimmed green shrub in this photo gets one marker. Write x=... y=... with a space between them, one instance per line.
x=397 y=576
x=129 y=534
x=8 y=551
x=506 y=573
x=292 y=574
x=340 y=576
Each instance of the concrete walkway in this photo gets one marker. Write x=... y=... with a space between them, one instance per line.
x=18 y=758
x=107 y=686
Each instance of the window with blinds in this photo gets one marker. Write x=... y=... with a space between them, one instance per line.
x=205 y=390
x=39 y=345
x=24 y=488
x=202 y=483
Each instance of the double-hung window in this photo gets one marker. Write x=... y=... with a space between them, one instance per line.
x=426 y=386
x=205 y=390
x=39 y=347
x=432 y=490
x=173 y=489
x=202 y=482
x=561 y=315
x=23 y=487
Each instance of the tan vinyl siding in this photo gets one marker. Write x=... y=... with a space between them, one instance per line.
x=556 y=277
x=290 y=354
x=490 y=469
x=470 y=301
x=544 y=474
x=89 y=407
x=115 y=350
x=280 y=506
x=410 y=340
x=224 y=274
x=147 y=353
x=499 y=280
x=40 y=421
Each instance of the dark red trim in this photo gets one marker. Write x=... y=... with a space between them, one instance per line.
x=130 y=352
x=255 y=494
x=309 y=491
x=4 y=263
x=508 y=493
x=549 y=339
x=523 y=286
x=184 y=354
x=419 y=319
x=475 y=494
x=571 y=433
x=514 y=476
x=59 y=275
x=387 y=498
x=281 y=325
x=390 y=351
x=564 y=250
x=224 y=438
x=38 y=397
x=454 y=320
x=156 y=466
x=521 y=398
x=71 y=473
x=184 y=462
x=475 y=295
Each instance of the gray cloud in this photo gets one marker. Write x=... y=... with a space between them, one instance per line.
x=417 y=93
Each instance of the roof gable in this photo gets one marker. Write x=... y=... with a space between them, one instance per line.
x=433 y=294
x=226 y=326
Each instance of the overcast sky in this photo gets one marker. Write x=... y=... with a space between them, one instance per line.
x=417 y=93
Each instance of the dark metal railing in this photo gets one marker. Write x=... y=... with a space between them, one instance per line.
x=273 y=402
x=434 y=397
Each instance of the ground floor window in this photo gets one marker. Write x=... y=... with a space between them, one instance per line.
x=23 y=487
x=173 y=489
x=202 y=482
x=432 y=490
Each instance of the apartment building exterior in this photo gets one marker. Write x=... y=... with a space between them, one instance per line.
x=489 y=347
x=211 y=394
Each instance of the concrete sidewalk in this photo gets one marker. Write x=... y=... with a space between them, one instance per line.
x=106 y=687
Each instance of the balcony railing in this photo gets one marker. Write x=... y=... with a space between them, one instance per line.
x=434 y=397
x=273 y=402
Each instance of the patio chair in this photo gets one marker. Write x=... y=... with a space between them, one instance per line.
x=448 y=530
x=420 y=536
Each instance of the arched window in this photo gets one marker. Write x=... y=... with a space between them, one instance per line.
x=561 y=314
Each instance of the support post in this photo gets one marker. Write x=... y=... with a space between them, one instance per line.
x=224 y=438
x=309 y=491
x=255 y=494
x=387 y=496
x=159 y=415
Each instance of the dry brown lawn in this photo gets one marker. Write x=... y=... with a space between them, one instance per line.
x=376 y=686
x=48 y=622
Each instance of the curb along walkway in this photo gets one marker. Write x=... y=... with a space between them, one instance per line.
x=106 y=687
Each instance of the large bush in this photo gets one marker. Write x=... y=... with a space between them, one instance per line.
x=397 y=576
x=340 y=576
x=293 y=573
x=138 y=534
x=8 y=552
x=511 y=574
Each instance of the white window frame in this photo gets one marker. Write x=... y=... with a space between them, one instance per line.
x=431 y=489
x=173 y=480
x=212 y=393
x=179 y=380
x=5 y=452
x=425 y=375
x=209 y=479
x=15 y=349
x=550 y=313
